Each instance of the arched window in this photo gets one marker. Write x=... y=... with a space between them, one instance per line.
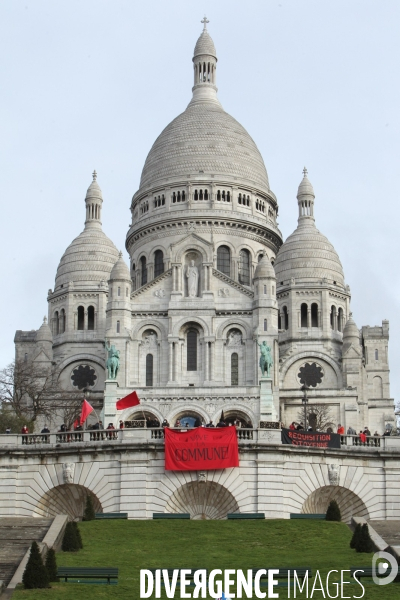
x=90 y=324
x=376 y=354
x=219 y=195
x=158 y=263
x=285 y=317
x=143 y=267
x=56 y=323
x=377 y=387
x=224 y=260
x=303 y=315
x=196 y=194
x=149 y=370
x=244 y=267
x=119 y=291
x=81 y=317
x=260 y=256
x=279 y=321
x=340 y=319
x=234 y=368
x=62 y=321
x=192 y=350
x=314 y=315
x=333 y=317
x=118 y=327
x=133 y=277
x=205 y=194
x=265 y=325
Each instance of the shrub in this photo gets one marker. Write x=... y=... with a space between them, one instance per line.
x=89 y=513
x=356 y=537
x=35 y=574
x=333 y=512
x=51 y=565
x=365 y=544
x=78 y=534
x=70 y=541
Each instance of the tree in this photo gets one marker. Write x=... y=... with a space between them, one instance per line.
x=70 y=541
x=9 y=419
x=51 y=565
x=89 y=513
x=333 y=512
x=365 y=544
x=319 y=416
x=35 y=574
x=78 y=534
x=356 y=536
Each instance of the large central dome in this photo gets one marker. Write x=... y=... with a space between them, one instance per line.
x=204 y=138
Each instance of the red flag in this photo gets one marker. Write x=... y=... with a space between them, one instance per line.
x=86 y=410
x=131 y=399
x=76 y=424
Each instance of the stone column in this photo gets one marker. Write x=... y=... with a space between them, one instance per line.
x=206 y=361
x=308 y=315
x=171 y=369
x=85 y=320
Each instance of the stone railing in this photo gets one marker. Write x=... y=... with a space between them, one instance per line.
x=148 y=435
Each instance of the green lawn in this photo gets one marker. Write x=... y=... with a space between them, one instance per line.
x=132 y=545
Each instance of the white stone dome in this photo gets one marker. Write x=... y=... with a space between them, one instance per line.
x=44 y=334
x=264 y=269
x=204 y=45
x=92 y=255
x=307 y=255
x=120 y=270
x=205 y=139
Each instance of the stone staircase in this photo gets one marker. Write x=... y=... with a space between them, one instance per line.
x=388 y=530
x=16 y=535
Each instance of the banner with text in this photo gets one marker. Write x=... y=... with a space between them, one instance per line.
x=316 y=439
x=202 y=448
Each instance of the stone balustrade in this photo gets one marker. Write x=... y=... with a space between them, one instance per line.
x=144 y=435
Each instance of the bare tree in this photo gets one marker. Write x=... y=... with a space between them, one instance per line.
x=319 y=416
x=28 y=389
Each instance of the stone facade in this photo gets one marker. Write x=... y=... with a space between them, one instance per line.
x=200 y=291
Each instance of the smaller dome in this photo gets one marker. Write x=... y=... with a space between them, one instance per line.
x=264 y=269
x=120 y=270
x=205 y=45
x=44 y=334
x=305 y=187
x=351 y=333
x=94 y=190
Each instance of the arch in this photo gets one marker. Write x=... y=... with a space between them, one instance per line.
x=184 y=323
x=140 y=328
x=143 y=270
x=223 y=328
x=303 y=315
x=231 y=415
x=191 y=348
x=152 y=419
x=189 y=417
x=62 y=321
x=204 y=251
x=377 y=387
x=224 y=260
x=285 y=317
x=196 y=409
x=158 y=263
x=340 y=319
x=149 y=370
x=129 y=414
x=56 y=323
x=118 y=326
x=308 y=356
x=244 y=266
x=66 y=499
x=234 y=368
x=81 y=318
x=333 y=317
x=376 y=354
x=314 y=314
x=91 y=317
x=238 y=408
x=77 y=358
x=207 y=500
x=349 y=503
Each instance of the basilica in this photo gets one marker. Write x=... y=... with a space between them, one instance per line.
x=209 y=280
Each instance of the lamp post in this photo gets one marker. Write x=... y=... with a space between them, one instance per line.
x=305 y=401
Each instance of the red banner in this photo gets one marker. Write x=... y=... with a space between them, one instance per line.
x=201 y=449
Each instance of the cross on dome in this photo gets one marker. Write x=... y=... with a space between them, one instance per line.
x=205 y=21
x=305 y=172
x=94 y=175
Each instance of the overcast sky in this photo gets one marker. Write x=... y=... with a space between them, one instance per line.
x=90 y=84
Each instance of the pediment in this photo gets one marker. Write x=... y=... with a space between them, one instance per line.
x=42 y=356
x=192 y=241
x=352 y=352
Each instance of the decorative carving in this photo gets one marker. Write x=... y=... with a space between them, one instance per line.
x=150 y=340
x=192 y=274
x=159 y=293
x=223 y=292
x=83 y=376
x=234 y=338
x=333 y=474
x=68 y=472
x=202 y=477
x=265 y=435
x=310 y=374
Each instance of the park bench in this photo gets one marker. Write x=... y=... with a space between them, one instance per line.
x=246 y=515
x=171 y=516
x=188 y=576
x=99 y=575
x=318 y=516
x=301 y=572
x=365 y=572
x=111 y=515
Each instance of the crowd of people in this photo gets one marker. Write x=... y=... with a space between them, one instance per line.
x=363 y=435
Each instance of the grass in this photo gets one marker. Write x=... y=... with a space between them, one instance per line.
x=132 y=545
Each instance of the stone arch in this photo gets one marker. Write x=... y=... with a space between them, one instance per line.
x=237 y=407
x=349 y=503
x=81 y=358
x=202 y=499
x=203 y=250
x=186 y=321
x=223 y=329
x=310 y=355
x=66 y=499
x=128 y=413
x=196 y=409
x=246 y=246
x=149 y=324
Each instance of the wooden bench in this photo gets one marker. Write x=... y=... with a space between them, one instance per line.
x=318 y=516
x=111 y=515
x=189 y=576
x=246 y=515
x=301 y=573
x=171 y=516
x=106 y=575
x=364 y=572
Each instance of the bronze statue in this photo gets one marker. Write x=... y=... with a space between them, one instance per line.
x=112 y=363
x=266 y=361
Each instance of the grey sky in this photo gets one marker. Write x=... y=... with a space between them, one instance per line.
x=91 y=84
